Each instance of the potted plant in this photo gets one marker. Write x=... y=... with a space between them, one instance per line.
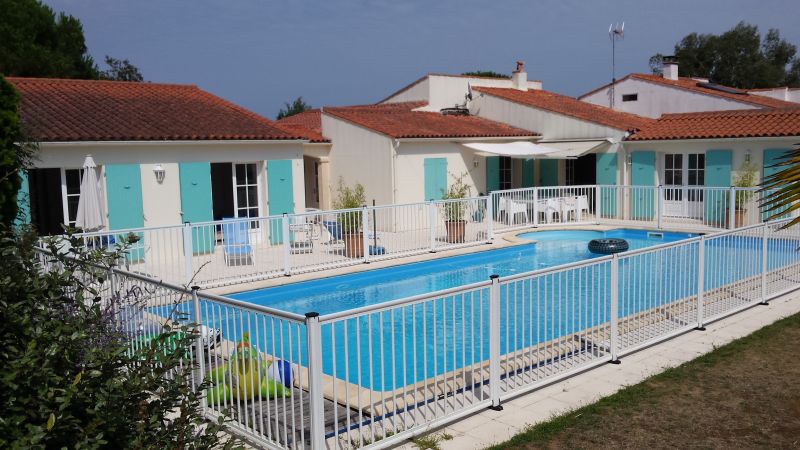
x=349 y=222
x=454 y=211
x=745 y=178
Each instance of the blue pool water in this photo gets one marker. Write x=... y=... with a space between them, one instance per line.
x=387 y=350
x=340 y=293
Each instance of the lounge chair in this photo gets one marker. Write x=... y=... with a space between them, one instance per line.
x=334 y=230
x=236 y=242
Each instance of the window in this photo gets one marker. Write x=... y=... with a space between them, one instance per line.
x=71 y=194
x=505 y=172
x=245 y=192
x=570 y=175
x=696 y=175
x=630 y=97
x=673 y=176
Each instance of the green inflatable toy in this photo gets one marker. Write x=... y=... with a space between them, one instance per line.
x=241 y=378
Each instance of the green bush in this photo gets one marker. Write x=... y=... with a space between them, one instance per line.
x=348 y=198
x=67 y=377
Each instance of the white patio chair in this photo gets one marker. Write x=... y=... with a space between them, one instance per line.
x=501 y=208
x=515 y=208
x=548 y=208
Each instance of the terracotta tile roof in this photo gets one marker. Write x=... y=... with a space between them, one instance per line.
x=723 y=124
x=307 y=123
x=691 y=84
x=91 y=110
x=400 y=121
x=569 y=106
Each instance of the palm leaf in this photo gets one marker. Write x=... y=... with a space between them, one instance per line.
x=781 y=190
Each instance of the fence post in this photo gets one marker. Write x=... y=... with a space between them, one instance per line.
x=732 y=208
x=614 y=342
x=432 y=224
x=316 y=404
x=764 y=267
x=287 y=246
x=187 y=251
x=494 y=343
x=489 y=218
x=701 y=280
x=660 y=205
x=365 y=232
x=597 y=209
x=199 y=348
x=535 y=207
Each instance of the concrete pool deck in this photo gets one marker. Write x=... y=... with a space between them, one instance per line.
x=491 y=427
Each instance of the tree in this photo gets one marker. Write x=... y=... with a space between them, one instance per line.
x=34 y=42
x=70 y=378
x=120 y=70
x=739 y=57
x=10 y=163
x=297 y=106
x=485 y=74
x=656 y=64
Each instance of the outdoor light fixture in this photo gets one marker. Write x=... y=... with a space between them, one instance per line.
x=628 y=159
x=747 y=156
x=159 y=171
x=474 y=162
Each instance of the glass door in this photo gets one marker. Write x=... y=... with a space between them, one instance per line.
x=245 y=194
x=674 y=194
x=684 y=178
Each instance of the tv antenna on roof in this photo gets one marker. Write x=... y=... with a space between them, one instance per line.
x=614 y=32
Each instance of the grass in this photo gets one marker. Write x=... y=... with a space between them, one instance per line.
x=745 y=394
x=430 y=441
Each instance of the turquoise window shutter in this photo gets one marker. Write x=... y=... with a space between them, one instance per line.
x=772 y=156
x=124 y=191
x=435 y=178
x=280 y=195
x=643 y=173
x=492 y=173
x=196 y=203
x=717 y=174
x=548 y=172
x=528 y=173
x=606 y=174
x=24 y=200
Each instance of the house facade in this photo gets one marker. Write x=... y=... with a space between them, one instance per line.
x=166 y=154
x=652 y=95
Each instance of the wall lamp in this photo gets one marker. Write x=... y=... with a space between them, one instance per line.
x=159 y=172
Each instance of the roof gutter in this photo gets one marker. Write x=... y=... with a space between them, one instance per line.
x=168 y=142
x=744 y=138
x=472 y=139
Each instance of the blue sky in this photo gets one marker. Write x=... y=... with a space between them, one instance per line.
x=260 y=54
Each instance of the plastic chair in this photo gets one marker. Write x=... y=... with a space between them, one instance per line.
x=236 y=241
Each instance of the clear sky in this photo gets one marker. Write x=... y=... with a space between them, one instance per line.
x=262 y=53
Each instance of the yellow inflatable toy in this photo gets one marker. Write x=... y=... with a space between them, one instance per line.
x=244 y=377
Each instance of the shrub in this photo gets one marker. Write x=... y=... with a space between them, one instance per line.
x=348 y=198
x=68 y=379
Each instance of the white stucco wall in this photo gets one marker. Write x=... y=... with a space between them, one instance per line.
x=161 y=202
x=657 y=99
x=359 y=155
x=781 y=93
x=549 y=124
x=739 y=147
x=410 y=167
x=442 y=91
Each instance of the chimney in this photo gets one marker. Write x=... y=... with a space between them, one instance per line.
x=669 y=68
x=519 y=78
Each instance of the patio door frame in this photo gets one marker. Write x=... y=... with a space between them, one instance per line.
x=682 y=199
x=255 y=226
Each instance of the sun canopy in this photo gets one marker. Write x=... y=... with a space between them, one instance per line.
x=572 y=149
x=519 y=149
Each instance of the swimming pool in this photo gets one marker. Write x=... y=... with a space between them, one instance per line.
x=340 y=293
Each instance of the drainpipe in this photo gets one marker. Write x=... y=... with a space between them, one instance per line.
x=395 y=146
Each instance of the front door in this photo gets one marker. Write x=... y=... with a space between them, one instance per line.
x=684 y=176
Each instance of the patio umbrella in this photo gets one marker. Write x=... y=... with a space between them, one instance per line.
x=90 y=203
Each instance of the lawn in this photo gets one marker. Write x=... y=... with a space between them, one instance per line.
x=743 y=395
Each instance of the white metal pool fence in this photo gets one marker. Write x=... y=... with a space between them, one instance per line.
x=380 y=374
x=235 y=251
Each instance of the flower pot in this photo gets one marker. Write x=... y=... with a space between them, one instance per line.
x=455 y=230
x=739 y=217
x=353 y=244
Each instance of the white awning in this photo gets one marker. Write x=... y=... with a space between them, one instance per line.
x=573 y=149
x=519 y=149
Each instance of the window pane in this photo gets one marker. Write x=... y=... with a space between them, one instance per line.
x=668 y=177
x=678 y=177
x=241 y=196
x=692 y=161
x=252 y=212
x=251 y=173
x=701 y=161
x=701 y=178
x=72 y=207
x=668 y=162
x=678 y=164
x=693 y=178
x=240 y=176
x=252 y=196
